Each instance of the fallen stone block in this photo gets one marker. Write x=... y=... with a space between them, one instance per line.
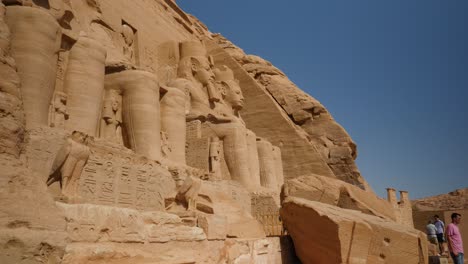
x=328 y=234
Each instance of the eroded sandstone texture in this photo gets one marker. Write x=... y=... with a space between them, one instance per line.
x=129 y=133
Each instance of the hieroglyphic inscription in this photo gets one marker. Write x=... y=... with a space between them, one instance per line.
x=141 y=182
x=155 y=197
x=197 y=153
x=197 y=150
x=107 y=188
x=193 y=130
x=125 y=196
x=88 y=186
x=266 y=211
x=123 y=180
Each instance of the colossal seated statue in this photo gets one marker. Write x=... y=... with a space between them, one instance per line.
x=233 y=100
x=213 y=98
x=197 y=81
x=265 y=165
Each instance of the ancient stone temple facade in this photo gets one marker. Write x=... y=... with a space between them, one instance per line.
x=131 y=134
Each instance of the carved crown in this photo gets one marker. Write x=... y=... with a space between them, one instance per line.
x=192 y=49
x=223 y=74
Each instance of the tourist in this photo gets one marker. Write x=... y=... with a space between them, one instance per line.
x=440 y=226
x=431 y=232
x=454 y=239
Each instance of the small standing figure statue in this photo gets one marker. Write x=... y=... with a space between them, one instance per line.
x=215 y=160
x=111 y=126
x=58 y=113
x=129 y=39
x=69 y=163
x=165 y=146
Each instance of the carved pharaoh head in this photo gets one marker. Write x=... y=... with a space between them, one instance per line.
x=128 y=34
x=201 y=70
x=229 y=87
x=115 y=104
x=112 y=104
x=194 y=63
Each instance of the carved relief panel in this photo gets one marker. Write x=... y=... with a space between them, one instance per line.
x=119 y=178
x=266 y=211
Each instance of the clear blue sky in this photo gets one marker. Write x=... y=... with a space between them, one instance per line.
x=393 y=73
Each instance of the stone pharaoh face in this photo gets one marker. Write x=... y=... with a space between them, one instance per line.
x=202 y=70
x=115 y=105
x=234 y=95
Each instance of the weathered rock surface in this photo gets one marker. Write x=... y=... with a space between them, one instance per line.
x=338 y=193
x=327 y=234
x=31 y=226
x=97 y=223
x=11 y=106
x=456 y=200
x=268 y=250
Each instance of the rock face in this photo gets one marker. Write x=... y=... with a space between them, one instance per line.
x=12 y=118
x=338 y=193
x=456 y=200
x=332 y=221
x=349 y=236
x=129 y=133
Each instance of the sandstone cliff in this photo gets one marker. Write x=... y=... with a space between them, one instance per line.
x=456 y=200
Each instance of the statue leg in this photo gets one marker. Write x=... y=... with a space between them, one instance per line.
x=268 y=175
x=84 y=84
x=140 y=110
x=35 y=39
x=235 y=151
x=173 y=123
x=278 y=166
x=254 y=165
